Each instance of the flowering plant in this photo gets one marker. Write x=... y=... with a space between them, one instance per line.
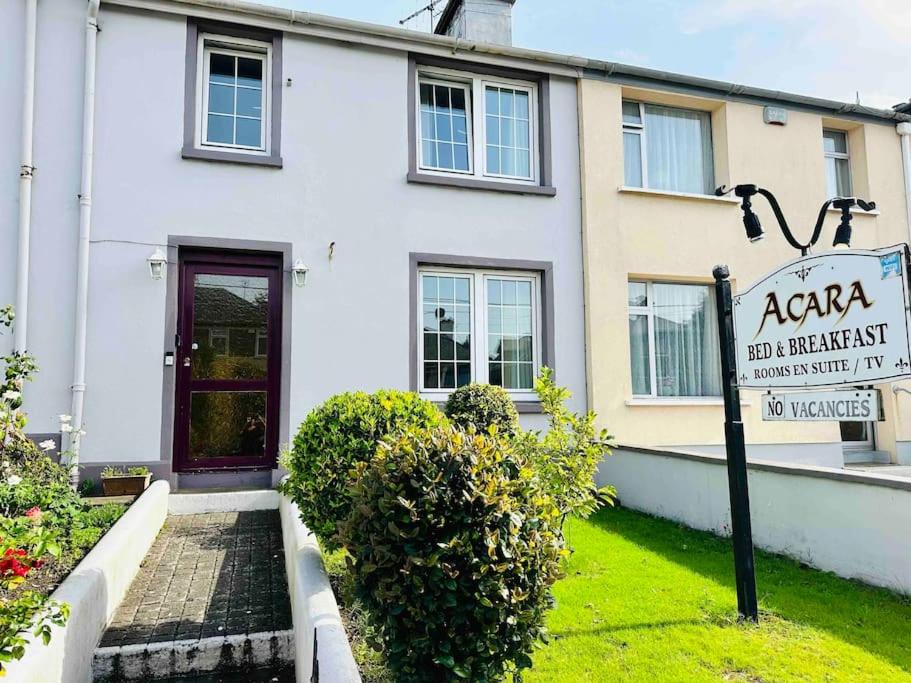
x=27 y=612
x=19 y=368
x=24 y=541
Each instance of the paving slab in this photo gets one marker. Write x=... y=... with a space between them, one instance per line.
x=207 y=575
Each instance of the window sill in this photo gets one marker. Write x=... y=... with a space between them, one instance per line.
x=678 y=195
x=231 y=157
x=476 y=184
x=679 y=402
x=523 y=406
x=855 y=211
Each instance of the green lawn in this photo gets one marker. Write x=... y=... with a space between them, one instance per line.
x=647 y=600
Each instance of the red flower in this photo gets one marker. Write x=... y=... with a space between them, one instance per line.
x=34 y=513
x=11 y=563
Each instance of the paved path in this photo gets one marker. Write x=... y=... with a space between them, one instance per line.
x=207 y=575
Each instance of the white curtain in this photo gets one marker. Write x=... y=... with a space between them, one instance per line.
x=687 y=359
x=679 y=149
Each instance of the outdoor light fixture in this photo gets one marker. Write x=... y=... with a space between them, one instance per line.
x=750 y=219
x=157 y=262
x=299 y=273
x=843 y=232
x=754 y=228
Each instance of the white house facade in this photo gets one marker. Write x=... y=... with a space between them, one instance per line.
x=330 y=206
x=217 y=214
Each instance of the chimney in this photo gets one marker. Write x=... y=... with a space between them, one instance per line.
x=478 y=21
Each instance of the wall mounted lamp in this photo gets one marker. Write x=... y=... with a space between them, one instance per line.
x=157 y=262
x=299 y=273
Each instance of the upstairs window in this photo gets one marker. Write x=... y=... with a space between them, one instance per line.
x=472 y=126
x=666 y=148
x=838 y=163
x=445 y=127
x=234 y=95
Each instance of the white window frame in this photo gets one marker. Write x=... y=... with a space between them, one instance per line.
x=476 y=85
x=469 y=109
x=637 y=129
x=234 y=47
x=477 y=294
x=649 y=312
x=839 y=155
x=640 y=130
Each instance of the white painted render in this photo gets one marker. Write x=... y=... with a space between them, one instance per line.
x=344 y=146
x=222 y=501
x=825 y=517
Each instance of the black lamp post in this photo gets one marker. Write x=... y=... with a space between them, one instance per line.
x=735 y=443
x=754 y=227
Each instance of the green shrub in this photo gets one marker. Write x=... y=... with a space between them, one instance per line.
x=567 y=455
x=454 y=547
x=483 y=406
x=333 y=439
x=102 y=516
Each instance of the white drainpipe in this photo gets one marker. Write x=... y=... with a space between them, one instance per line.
x=26 y=171
x=85 y=227
x=904 y=129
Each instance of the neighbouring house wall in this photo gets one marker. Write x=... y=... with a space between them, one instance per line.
x=825 y=517
x=345 y=153
x=660 y=236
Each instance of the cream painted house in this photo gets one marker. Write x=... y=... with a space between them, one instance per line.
x=653 y=149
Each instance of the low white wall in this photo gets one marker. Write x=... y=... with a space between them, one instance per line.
x=853 y=524
x=313 y=606
x=93 y=590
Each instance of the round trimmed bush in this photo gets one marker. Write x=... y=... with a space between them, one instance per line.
x=333 y=439
x=483 y=406
x=454 y=548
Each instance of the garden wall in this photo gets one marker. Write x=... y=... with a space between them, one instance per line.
x=93 y=590
x=850 y=523
x=313 y=607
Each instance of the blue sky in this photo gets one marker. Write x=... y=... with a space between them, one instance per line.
x=827 y=48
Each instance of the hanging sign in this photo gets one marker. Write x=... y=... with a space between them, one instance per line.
x=834 y=319
x=860 y=405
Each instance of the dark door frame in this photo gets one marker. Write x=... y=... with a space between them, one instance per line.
x=216 y=261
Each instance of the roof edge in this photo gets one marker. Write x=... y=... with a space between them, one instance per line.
x=581 y=67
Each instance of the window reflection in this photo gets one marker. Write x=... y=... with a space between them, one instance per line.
x=447 y=331
x=227 y=424
x=230 y=327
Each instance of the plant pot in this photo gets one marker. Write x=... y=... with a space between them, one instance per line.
x=125 y=486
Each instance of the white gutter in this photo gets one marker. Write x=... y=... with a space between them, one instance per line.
x=904 y=130
x=85 y=228
x=26 y=171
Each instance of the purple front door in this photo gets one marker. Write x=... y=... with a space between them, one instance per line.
x=228 y=361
